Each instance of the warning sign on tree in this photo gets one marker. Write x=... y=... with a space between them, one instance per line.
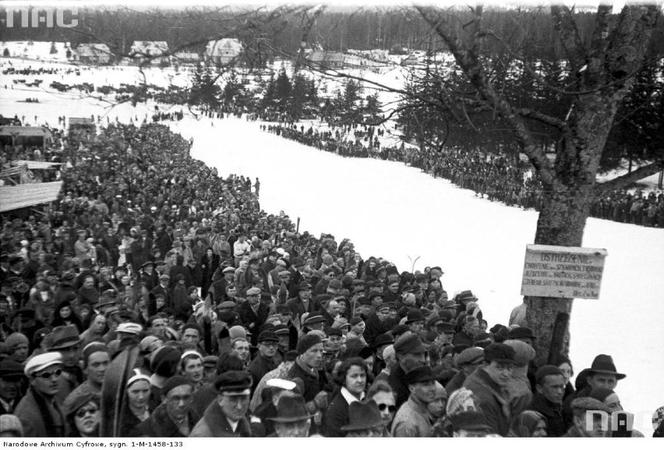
x=564 y=272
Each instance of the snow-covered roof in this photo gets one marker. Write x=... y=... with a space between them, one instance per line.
x=149 y=48
x=93 y=49
x=187 y=56
x=13 y=130
x=318 y=56
x=223 y=46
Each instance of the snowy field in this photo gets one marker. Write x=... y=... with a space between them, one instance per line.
x=390 y=210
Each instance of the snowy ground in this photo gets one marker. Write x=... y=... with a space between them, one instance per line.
x=399 y=213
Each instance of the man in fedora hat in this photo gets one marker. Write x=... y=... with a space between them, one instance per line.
x=415 y=320
x=364 y=420
x=601 y=374
x=66 y=340
x=292 y=418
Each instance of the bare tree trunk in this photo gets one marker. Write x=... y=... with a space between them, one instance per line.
x=561 y=222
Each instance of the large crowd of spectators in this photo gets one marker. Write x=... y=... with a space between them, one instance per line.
x=157 y=299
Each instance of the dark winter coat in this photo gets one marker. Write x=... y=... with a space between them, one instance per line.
x=399 y=386
x=215 y=424
x=259 y=366
x=313 y=384
x=253 y=321
x=161 y=425
x=41 y=417
x=336 y=416
x=555 y=422
x=493 y=399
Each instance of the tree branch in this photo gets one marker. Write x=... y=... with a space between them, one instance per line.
x=626 y=180
x=471 y=65
x=568 y=33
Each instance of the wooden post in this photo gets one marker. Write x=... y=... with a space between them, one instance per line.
x=556 y=346
x=297 y=228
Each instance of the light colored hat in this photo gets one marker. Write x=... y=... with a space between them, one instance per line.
x=253 y=291
x=40 y=362
x=280 y=383
x=237 y=332
x=130 y=328
x=147 y=341
x=9 y=423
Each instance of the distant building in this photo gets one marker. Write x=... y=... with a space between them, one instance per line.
x=93 y=54
x=410 y=60
x=187 y=57
x=327 y=60
x=81 y=125
x=223 y=51
x=154 y=51
x=18 y=135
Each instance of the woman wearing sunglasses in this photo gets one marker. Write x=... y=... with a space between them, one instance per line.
x=39 y=411
x=381 y=393
x=83 y=416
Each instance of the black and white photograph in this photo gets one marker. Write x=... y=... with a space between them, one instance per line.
x=350 y=219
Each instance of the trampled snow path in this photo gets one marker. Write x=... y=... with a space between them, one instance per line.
x=394 y=211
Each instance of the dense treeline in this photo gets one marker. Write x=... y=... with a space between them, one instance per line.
x=529 y=29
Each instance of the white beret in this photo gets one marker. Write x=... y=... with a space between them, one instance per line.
x=129 y=327
x=280 y=383
x=42 y=361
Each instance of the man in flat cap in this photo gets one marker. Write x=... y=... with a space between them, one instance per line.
x=587 y=418
x=39 y=411
x=265 y=360
x=413 y=419
x=218 y=288
x=489 y=384
x=226 y=417
x=253 y=313
x=410 y=352
x=467 y=362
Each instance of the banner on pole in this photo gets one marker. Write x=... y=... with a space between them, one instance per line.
x=562 y=272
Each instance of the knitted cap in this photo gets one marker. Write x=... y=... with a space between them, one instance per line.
x=174 y=382
x=14 y=339
x=306 y=342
